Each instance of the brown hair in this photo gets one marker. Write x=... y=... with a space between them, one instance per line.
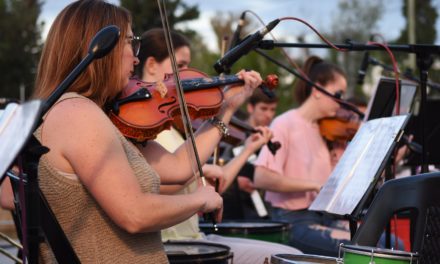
x=259 y=97
x=67 y=44
x=318 y=71
x=154 y=45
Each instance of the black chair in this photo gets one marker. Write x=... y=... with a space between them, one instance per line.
x=418 y=194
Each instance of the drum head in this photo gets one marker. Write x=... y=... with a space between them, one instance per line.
x=195 y=252
x=301 y=259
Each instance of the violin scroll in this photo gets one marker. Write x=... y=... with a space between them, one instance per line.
x=269 y=84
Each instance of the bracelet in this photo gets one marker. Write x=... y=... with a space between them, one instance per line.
x=224 y=130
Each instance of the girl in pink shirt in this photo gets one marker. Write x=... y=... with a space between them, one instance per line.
x=300 y=168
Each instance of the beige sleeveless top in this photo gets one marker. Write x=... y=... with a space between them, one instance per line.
x=188 y=229
x=93 y=235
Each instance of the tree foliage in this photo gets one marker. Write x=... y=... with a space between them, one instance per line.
x=146 y=14
x=20 y=45
x=357 y=21
x=425 y=18
x=425 y=32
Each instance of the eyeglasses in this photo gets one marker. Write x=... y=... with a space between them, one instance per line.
x=339 y=94
x=135 y=42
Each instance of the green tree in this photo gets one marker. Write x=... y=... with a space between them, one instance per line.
x=149 y=9
x=146 y=14
x=425 y=17
x=20 y=46
x=356 y=21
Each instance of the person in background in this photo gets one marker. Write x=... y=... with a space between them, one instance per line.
x=102 y=190
x=154 y=64
x=302 y=165
x=242 y=199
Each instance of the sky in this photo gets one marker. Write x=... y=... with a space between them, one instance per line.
x=318 y=13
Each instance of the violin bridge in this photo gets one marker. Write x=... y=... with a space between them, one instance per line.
x=162 y=89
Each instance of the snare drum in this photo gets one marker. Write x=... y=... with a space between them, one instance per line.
x=301 y=259
x=277 y=232
x=362 y=254
x=197 y=252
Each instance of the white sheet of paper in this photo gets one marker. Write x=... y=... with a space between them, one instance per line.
x=16 y=124
x=358 y=166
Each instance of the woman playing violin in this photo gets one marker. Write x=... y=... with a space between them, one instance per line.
x=154 y=64
x=103 y=191
x=293 y=178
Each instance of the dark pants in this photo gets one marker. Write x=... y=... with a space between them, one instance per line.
x=312 y=232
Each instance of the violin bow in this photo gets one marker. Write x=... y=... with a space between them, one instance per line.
x=186 y=120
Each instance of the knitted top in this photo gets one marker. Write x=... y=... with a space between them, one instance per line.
x=92 y=234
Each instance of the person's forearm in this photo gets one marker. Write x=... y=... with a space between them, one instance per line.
x=207 y=138
x=233 y=167
x=272 y=181
x=154 y=217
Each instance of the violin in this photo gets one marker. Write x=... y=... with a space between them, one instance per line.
x=338 y=131
x=340 y=128
x=145 y=109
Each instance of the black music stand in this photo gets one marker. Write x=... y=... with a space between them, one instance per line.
x=358 y=171
x=382 y=103
x=432 y=134
x=16 y=125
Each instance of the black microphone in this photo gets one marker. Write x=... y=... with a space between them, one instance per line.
x=104 y=41
x=236 y=37
x=363 y=70
x=243 y=48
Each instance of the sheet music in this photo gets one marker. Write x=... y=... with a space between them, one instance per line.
x=16 y=124
x=359 y=165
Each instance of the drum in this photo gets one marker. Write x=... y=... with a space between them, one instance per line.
x=362 y=254
x=197 y=252
x=301 y=259
x=277 y=232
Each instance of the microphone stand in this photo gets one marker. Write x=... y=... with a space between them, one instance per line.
x=40 y=221
x=321 y=89
x=423 y=53
x=407 y=74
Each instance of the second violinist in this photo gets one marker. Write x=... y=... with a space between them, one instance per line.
x=154 y=64
x=301 y=167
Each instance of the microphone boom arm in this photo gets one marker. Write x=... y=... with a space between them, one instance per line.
x=297 y=74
